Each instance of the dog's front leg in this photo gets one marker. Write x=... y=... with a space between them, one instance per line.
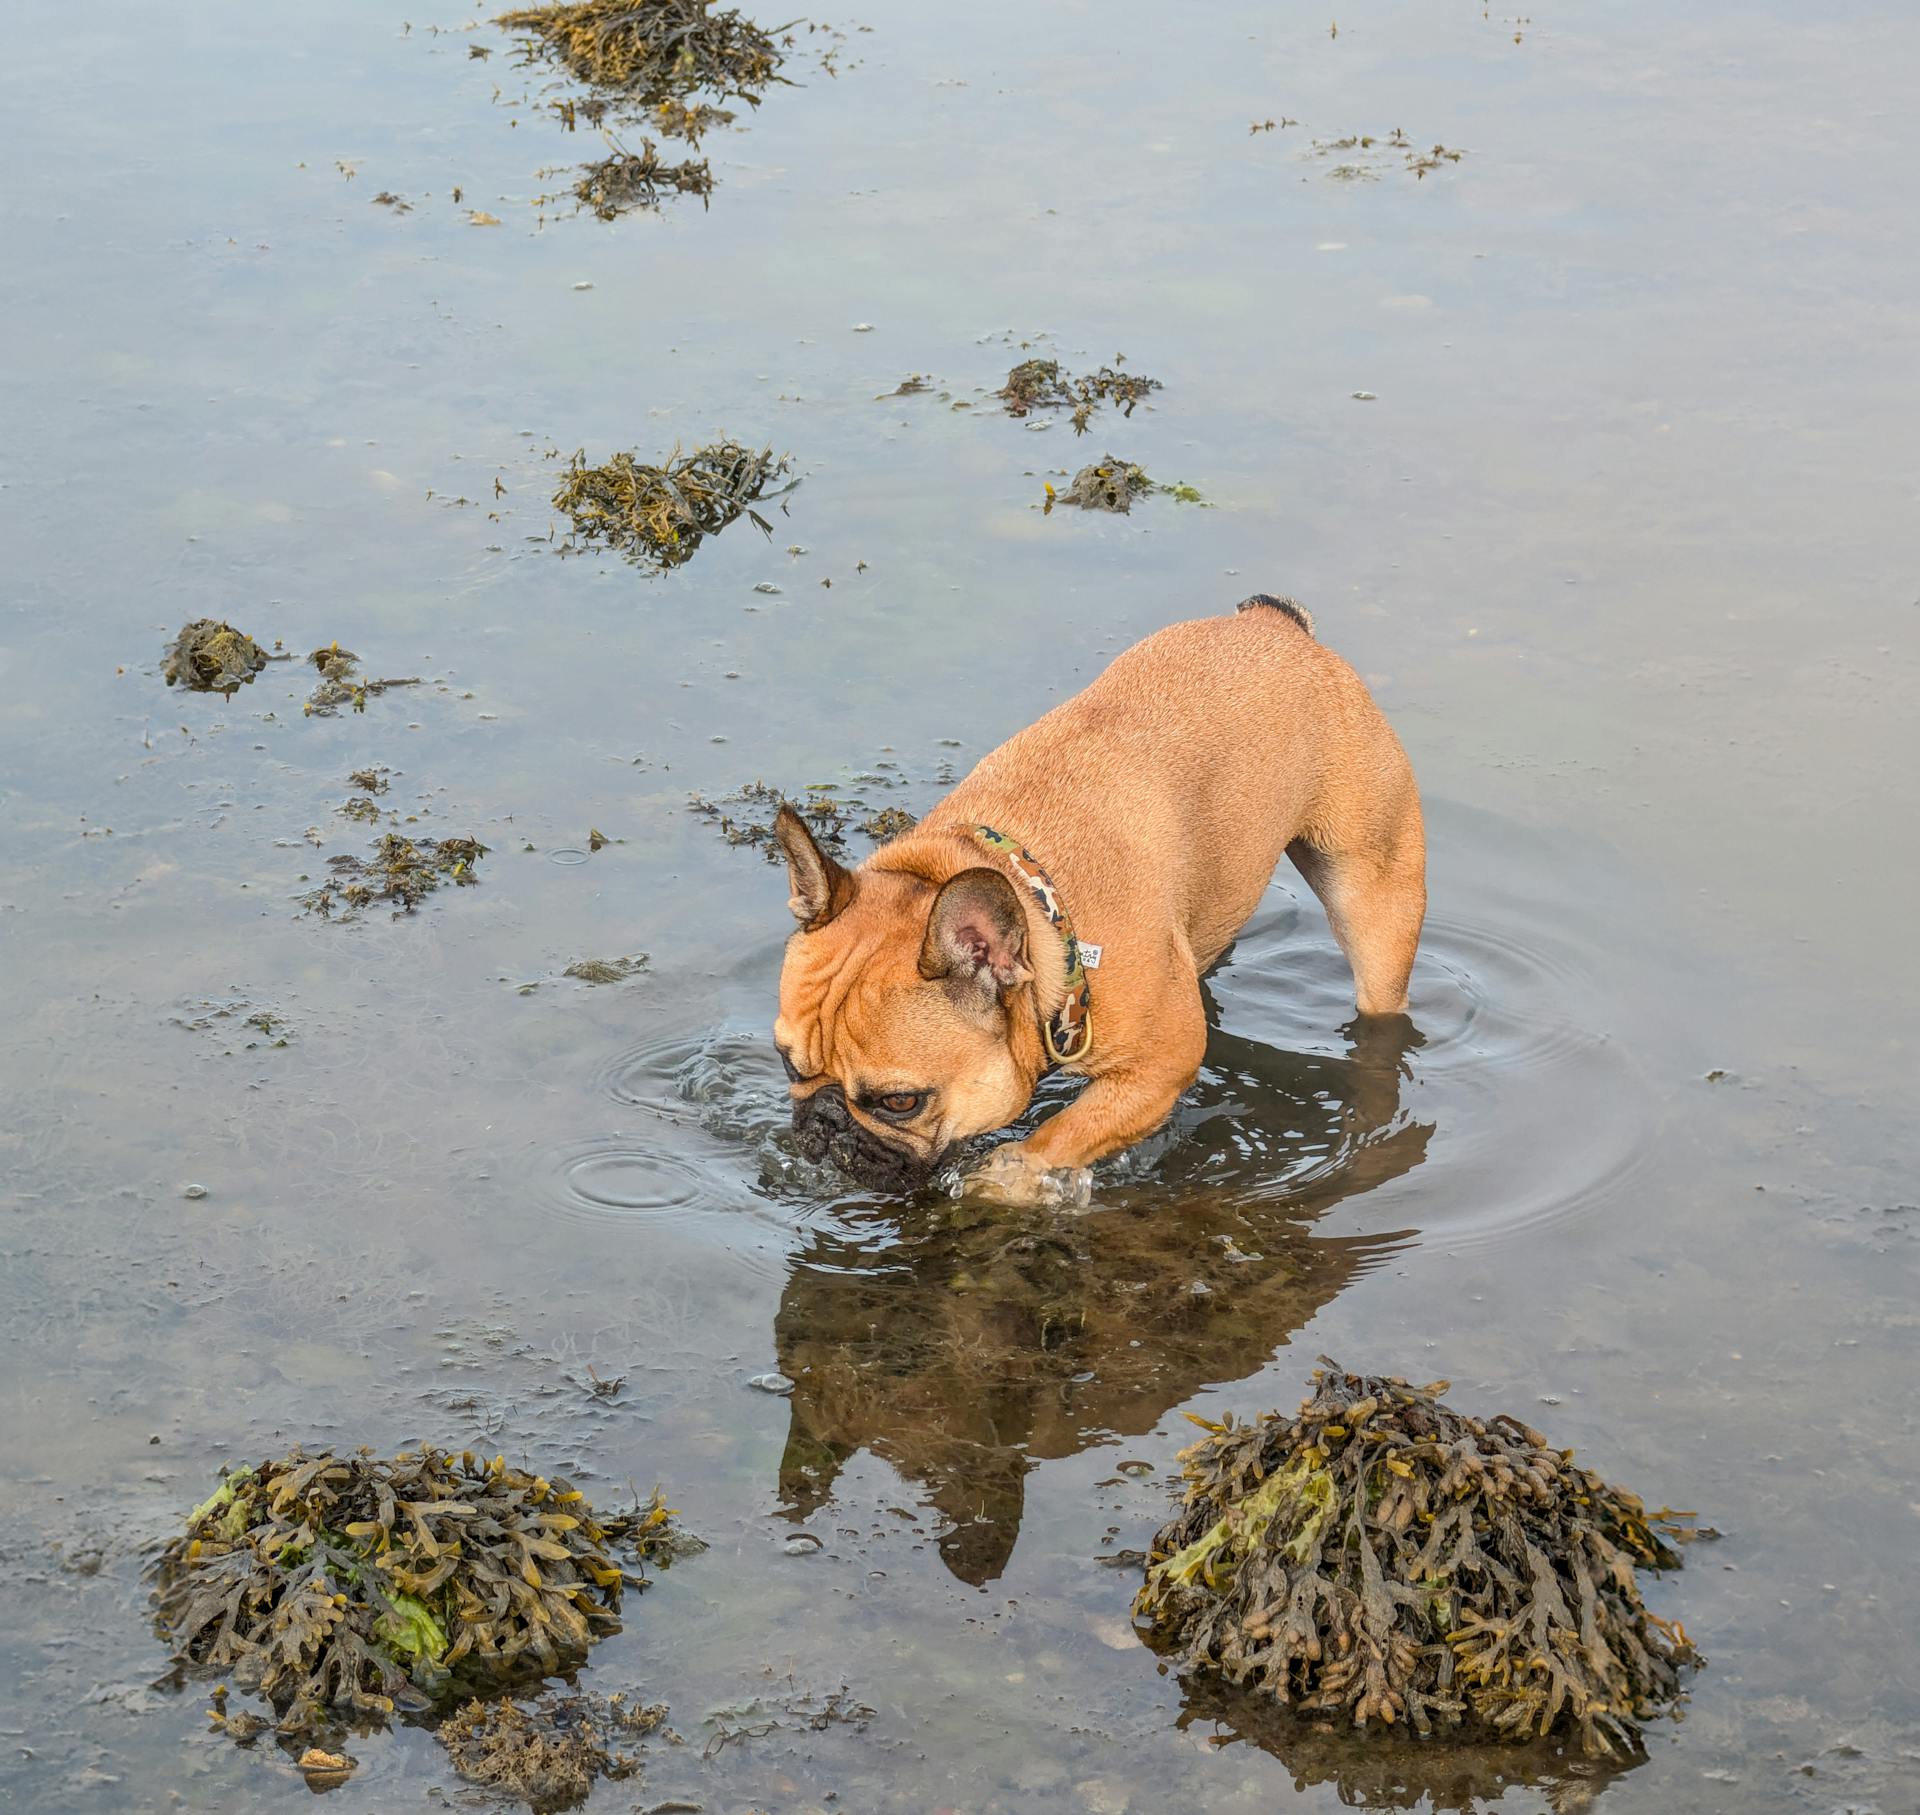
x=1117 y=1108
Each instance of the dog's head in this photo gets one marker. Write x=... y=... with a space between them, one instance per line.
x=898 y=1005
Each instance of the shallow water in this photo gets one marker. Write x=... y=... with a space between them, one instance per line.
x=1624 y=541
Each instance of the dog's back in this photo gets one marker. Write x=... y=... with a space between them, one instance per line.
x=1193 y=762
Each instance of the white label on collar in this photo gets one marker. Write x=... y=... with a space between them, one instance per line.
x=1089 y=955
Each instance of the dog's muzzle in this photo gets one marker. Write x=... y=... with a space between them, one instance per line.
x=824 y=1129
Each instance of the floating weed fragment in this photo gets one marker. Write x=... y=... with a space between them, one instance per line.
x=1107 y=484
x=1112 y=485
x=830 y=817
x=1382 y=1556
x=628 y=180
x=1034 y=384
x=325 y=1770
x=341 y=683
x=368 y=781
x=339 y=1587
x=547 y=1751
x=401 y=870
x=1378 y=152
x=606 y=970
x=210 y=656
x=659 y=515
x=688 y=120
x=1040 y=384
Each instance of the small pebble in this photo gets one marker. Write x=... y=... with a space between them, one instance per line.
x=193 y=1191
x=1365 y=397
x=801 y=1544
x=771 y=1383
x=765 y=586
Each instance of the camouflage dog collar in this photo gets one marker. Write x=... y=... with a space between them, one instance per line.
x=1069 y=1035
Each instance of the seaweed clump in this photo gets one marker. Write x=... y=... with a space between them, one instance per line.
x=341 y=683
x=1107 y=484
x=606 y=970
x=830 y=816
x=650 y=51
x=1034 y=384
x=637 y=179
x=1040 y=384
x=347 y=1586
x=1376 y=151
x=547 y=1751
x=210 y=656
x=401 y=870
x=1382 y=1556
x=660 y=515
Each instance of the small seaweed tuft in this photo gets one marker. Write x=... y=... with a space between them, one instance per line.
x=659 y=515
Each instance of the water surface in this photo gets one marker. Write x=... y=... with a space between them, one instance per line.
x=1623 y=538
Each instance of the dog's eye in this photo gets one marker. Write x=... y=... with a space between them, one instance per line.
x=903 y=1102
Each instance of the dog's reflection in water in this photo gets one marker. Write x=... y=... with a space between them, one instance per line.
x=977 y=1341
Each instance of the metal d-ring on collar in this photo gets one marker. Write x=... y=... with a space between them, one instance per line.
x=1068 y=1036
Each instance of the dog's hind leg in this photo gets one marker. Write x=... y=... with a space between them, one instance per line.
x=1374 y=889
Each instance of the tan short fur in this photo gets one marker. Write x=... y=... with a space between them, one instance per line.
x=1160 y=801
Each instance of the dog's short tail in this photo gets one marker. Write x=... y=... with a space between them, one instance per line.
x=1292 y=607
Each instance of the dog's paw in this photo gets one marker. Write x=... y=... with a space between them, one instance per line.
x=1011 y=1175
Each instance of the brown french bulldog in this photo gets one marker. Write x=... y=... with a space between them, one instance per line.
x=1060 y=906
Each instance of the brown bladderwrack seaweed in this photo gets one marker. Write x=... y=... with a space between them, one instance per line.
x=661 y=514
x=547 y=1750
x=637 y=179
x=343 y=1586
x=1382 y=1556
x=341 y=683
x=649 y=51
x=606 y=970
x=401 y=870
x=829 y=816
x=210 y=656
x=1035 y=384
x=1107 y=484
x=1040 y=384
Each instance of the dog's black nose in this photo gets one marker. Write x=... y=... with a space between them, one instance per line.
x=818 y=1119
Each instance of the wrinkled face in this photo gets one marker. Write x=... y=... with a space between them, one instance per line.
x=889 y=1067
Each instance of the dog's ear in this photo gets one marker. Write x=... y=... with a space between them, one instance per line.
x=977 y=932
x=821 y=888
